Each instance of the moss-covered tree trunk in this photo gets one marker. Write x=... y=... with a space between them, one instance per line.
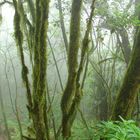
x=37 y=99
x=73 y=91
x=39 y=70
x=19 y=42
x=70 y=89
x=126 y=99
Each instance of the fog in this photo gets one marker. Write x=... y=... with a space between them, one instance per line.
x=111 y=37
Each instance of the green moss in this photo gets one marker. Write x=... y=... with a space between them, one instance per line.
x=18 y=33
x=39 y=70
x=128 y=92
x=70 y=89
x=19 y=42
x=73 y=92
x=72 y=56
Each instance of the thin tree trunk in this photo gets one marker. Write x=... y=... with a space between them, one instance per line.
x=4 y=116
x=63 y=25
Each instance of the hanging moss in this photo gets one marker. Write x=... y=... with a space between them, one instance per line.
x=19 y=41
x=27 y=28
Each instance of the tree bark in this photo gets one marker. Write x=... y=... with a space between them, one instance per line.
x=70 y=88
x=73 y=91
x=125 y=44
x=126 y=99
x=39 y=70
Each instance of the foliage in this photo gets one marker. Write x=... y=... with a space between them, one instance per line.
x=119 y=130
x=111 y=37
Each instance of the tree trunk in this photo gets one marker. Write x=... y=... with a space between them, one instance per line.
x=126 y=99
x=73 y=91
x=74 y=45
x=125 y=44
x=39 y=70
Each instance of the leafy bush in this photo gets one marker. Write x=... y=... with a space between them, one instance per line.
x=119 y=130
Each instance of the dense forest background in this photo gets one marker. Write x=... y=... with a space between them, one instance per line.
x=69 y=69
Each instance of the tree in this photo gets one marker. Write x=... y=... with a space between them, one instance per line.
x=70 y=88
x=39 y=70
x=36 y=100
x=126 y=99
x=73 y=90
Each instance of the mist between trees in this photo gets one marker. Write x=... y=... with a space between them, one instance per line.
x=66 y=66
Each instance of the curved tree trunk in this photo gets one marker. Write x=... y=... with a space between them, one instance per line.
x=70 y=89
x=73 y=91
x=126 y=99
